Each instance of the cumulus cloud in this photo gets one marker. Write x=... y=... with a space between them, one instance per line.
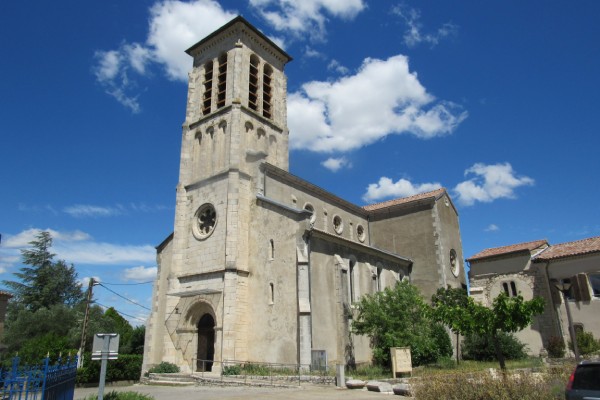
x=77 y=247
x=174 y=27
x=335 y=164
x=490 y=182
x=306 y=16
x=140 y=274
x=386 y=188
x=492 y=228
x=382 y=98
x=413 y=36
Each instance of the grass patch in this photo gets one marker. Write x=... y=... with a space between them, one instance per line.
x=114 y=395
x=450 y=366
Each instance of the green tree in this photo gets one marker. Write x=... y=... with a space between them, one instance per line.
x=397 y=317
x=507 y=314
x=43 y=283
x=122 y=327
x=450 y=306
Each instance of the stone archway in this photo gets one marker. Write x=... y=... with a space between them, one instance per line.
x=206 y=343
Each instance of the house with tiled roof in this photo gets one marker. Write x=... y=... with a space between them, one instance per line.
x=263 y=266
x=532 y=269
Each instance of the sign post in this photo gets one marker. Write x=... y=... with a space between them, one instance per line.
x=105 y=347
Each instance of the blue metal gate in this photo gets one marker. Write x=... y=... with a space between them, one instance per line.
x=39 y=382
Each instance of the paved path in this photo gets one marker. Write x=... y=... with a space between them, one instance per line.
x=308 y=392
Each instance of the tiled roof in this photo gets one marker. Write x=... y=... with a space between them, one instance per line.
x=404 y=200
x=513 y=248
x=569 y=249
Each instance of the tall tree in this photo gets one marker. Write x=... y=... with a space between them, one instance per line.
x=43 y=283
x=397 y=317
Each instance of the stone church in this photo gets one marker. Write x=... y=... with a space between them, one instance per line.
x=262 y=265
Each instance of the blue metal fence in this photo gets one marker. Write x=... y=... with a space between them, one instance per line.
x=39 y=382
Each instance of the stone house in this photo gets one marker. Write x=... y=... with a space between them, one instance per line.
x=262 y=265
x=532 y=269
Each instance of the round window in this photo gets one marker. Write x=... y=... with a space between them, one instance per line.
x=205 y=220
x=360 y=233
x=454 y=264
x=338 y=225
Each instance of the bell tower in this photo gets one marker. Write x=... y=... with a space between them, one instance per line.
x=236 y=109
x=235 y=120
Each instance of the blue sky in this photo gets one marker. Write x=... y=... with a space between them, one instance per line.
x=496 y=101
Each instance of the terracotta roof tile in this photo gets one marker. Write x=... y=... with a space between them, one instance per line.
x=513 y=248
x=570 y=249
x=404 y=200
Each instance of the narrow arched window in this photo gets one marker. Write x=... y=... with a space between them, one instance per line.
x=271 y=249
x=513 y=288
x=253 y=83
x=267 y=91
x=222 y=81
x=505 y=287
x=272 y=290
x=208 y=87
x=352 y=281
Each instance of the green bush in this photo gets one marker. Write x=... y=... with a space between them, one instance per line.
x=128 y=367
x=232 y=370
x=442 y=341
x=114 y=395
x=481 y=347
x=164 y=368
x=586 y=343
x=555 y=347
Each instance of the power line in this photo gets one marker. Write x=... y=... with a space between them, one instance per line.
x=123 y=297
x=127 y=284
x=121 y=312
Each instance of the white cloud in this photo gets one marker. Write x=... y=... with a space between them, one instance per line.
x=335 y=164
x=491 y=182
x=86 y=210
x=413 y=36
x=84 y=282
x=306 y=16
x=77 y=247
x=140 y=274
x=492 y=228
x=174 y=27
x=334 y=65
x=386 y=188
x=382 y=98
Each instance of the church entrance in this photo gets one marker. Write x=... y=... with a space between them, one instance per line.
x=206 y=343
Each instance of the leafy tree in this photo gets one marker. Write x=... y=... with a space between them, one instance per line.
x=121 y=326
x=43 y=283
x=397 y=317
x=450 y=306
x=507 y=314
x=138 y=337
x=482 y=347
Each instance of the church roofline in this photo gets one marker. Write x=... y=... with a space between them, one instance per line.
x=276 y=171
x=164 y=242
x=241 y=20
x=402 y=202
x=350 y=243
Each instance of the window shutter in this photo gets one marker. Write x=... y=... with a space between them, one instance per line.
x=575 y=288
x=584 y=287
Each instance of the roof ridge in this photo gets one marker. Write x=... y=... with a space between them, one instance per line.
x=575 y=241
x=441 y=189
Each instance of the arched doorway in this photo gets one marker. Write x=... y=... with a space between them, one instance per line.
x=206 y=343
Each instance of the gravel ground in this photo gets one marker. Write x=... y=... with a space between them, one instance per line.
x=308 y=392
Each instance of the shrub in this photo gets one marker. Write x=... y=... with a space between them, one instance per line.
x=586 y=343
x=442 y=341
x=114 y=395
x=481 y=347
x=164 y=368
x=232 y=370
x=128 y=367
x=555 y=347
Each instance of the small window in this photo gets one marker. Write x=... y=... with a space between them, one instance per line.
x=513 y=288
x=205 y=221
x=267 y=91
x=309 y=207
x=338 y=225
x=271 y=249
x=360 y=233
x=595 y=284
x=208 y=84
x=505 y=287
x=222 y=81
x=272 y=293
x=253 y=83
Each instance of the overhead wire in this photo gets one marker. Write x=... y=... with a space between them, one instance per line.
x=123 y=297
x=127 y=284
x=121 y=312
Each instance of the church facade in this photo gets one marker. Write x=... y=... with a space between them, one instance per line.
x=262 y=265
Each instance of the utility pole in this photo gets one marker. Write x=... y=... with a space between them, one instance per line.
x=85 y=322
